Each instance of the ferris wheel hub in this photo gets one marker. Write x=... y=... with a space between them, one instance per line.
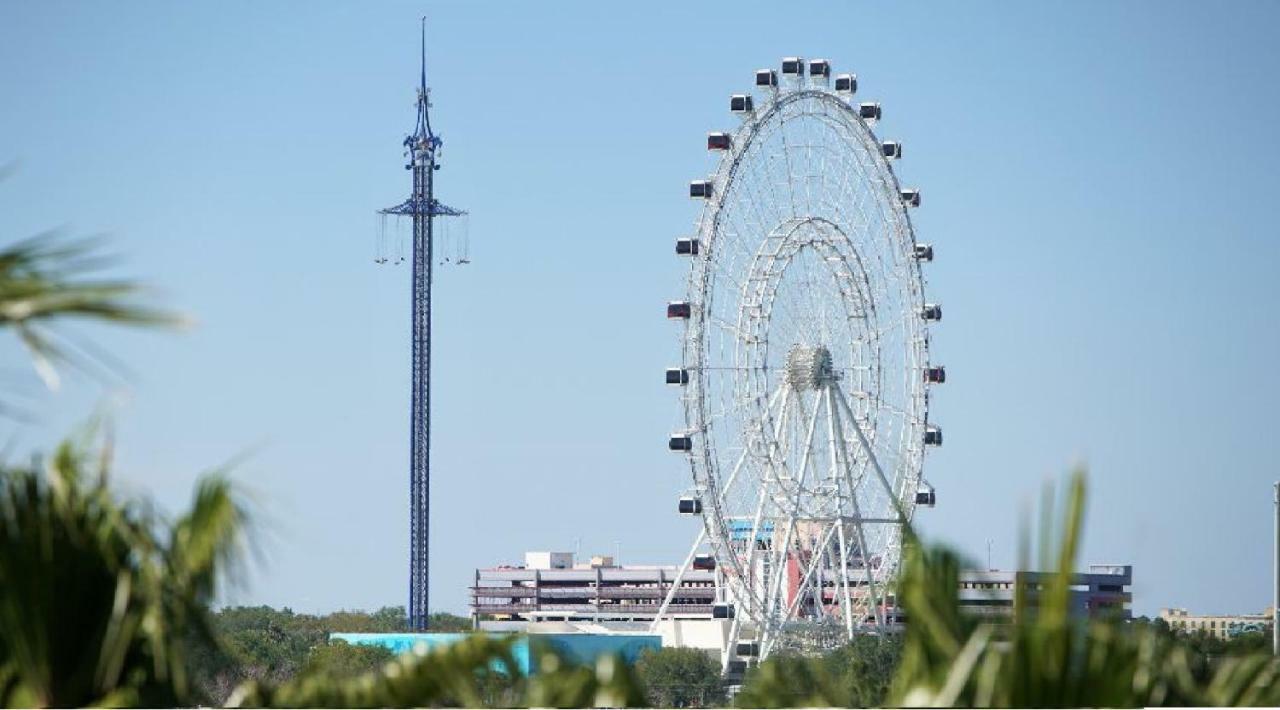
x=809 y=367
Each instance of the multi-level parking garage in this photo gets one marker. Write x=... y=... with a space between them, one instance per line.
x=551 y=587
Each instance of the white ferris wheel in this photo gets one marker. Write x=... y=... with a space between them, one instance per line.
x=806 y=374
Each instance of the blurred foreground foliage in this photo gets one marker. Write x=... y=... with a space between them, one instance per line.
x=1046 y=657
x=103 y=597
x=46 y=280
x=479 y=671
x=1043 y=657
x=276 y=645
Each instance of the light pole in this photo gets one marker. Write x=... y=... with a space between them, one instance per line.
x=1275 y=568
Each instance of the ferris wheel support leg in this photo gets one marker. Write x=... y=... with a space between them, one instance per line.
x=844 y=580
x=819 y=609
x=846 y=604
x=890 y=490
x=853 y=497
x=813 y=568
x=675 y=585
x=875 y=464
x=753 y=541
x=780 y=555
x=730 y=649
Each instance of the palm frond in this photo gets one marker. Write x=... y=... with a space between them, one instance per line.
x=1046 y=655
x=45 y=280
x=92 y=611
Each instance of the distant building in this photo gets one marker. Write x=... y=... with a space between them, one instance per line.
x=552 y=588
x=1102 y=591
x=1223 y=626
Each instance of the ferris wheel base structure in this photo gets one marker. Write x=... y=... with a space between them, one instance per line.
x=805 y=376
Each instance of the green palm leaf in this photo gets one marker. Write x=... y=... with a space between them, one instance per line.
x=45 y=280
x=101 y=595
x=1045 y=656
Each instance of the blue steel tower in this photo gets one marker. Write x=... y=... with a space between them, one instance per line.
x=422 y=149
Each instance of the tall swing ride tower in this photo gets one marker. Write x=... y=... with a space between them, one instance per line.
x=422 y=148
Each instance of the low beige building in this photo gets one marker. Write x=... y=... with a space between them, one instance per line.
x=1223 y=626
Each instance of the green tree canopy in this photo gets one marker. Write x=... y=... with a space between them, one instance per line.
x=338 y=659
x=680 y=678
x=857 y=674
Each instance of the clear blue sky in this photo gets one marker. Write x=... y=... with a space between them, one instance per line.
x=1100 y=181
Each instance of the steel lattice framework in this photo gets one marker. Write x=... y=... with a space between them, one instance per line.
x=806 y=370
x=422 y=149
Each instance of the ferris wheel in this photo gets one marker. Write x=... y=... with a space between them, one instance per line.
x=806 y=374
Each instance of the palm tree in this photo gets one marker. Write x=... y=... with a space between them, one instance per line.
x=1047 y=658
x=101 y=595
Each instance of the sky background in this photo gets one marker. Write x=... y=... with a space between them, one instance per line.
x=1100 y=183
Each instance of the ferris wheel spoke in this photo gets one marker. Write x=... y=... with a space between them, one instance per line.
x=731 y=328
x=732 y=409
x=881 y=404
x=742 y=459
x=867 y=167
x=757 y=203
x=894 y=325
x=743 y=222
x=786 y=153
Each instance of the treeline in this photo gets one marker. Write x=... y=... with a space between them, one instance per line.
x=1207 y=648
x=278 y=645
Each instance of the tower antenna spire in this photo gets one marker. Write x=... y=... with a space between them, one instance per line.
x=423 y=129
x=423 y=208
